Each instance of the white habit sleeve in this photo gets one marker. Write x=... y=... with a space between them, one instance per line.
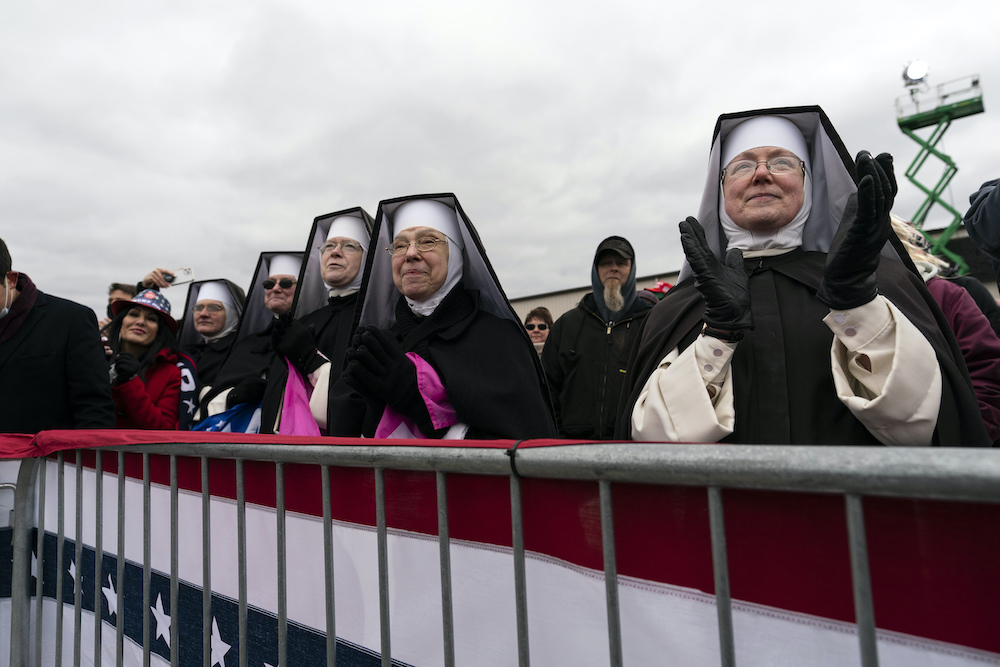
x=670 y=406
x=885 y=372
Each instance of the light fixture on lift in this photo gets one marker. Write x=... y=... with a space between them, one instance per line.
x=915 y=73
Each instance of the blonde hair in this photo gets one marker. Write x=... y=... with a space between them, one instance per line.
x=915 y=242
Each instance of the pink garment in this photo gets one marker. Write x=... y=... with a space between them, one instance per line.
x=395 y=425
x=296 y=417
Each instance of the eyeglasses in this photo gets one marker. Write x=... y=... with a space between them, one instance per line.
x=531 y=327
x=285 y=283
x=345 y=246
x=783 y=164
x=210 y=307
x=425 y=244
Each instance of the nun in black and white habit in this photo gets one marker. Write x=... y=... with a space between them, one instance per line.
x=452 y=362
x=209 y=352
x=253 y=372
x=798 y=335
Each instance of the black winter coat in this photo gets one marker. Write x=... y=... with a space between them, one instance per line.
x=585 y=361
x=53 y=373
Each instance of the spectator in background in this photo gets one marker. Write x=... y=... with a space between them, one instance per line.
x=586 y=356
x=982 y=221
x=146 y=380
x=976 y=338
x=538 y=323
x=53 y=373
x=116 y=292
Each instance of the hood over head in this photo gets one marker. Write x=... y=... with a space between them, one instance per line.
x=623 y=248
x=226 y=291
x=830 y=172
x=379 y=294
x=312 y=293
x=256 y=316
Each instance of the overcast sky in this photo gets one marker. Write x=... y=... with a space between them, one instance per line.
x=184 y=133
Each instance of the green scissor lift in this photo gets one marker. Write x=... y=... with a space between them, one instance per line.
x=953 y=100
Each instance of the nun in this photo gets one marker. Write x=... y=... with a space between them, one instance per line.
x=439 y=352
x=211 y=316
x=799 y=319
x=253 y=373
x=315 y=340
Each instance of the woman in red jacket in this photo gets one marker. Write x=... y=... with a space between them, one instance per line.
x=146 y=381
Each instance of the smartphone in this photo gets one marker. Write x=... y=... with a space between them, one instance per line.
x=180 y=276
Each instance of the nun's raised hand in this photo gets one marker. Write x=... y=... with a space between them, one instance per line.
x=849 y=279
x=725 y=287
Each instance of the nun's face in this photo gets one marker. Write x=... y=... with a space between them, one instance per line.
x=419 y=275
x=340 y=265
x=762 y=201
x=209 y=317
x=278 y=299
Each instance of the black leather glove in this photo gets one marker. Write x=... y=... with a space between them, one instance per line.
x=378 y=369
x=725 y=287
x=296 y=342
x=249 y=390
x=126 y=367
x=849 y=280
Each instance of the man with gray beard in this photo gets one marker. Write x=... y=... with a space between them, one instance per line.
x=587 y=350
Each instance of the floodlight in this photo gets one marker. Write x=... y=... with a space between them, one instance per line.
x=915 y=73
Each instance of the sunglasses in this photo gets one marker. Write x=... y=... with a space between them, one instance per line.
x=531 y=327
x=285 y=283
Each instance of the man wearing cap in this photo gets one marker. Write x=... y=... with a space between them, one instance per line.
x=586 y=354
x=787 y=327
x=244 y=377
x=53 y=372
x=214 y=318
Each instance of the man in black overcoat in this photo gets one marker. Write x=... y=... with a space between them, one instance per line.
x=53 y=372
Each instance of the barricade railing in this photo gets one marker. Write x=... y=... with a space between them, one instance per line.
x=852 y=472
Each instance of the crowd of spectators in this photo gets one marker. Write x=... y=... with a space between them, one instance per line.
x=801 y=316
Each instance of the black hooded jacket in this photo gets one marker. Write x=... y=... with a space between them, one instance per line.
x=585 y=360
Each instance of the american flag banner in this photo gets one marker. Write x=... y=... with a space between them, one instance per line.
x=936 y=591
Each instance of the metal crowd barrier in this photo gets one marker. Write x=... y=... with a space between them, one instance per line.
x=853 y=472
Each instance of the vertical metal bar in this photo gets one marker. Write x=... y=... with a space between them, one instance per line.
x=610 y=573
x=383 y=566
x=60 y=555
x=98 y=553
x=20 y=593
x=120 y=574
x=174 y=563
x=864 y=608
x=520 y=584
x=720 y=566
x=206 y=567
x=279 y=492
x=331 y=607
x=444 y=548
x=78 y=564
x=40 y=551
x=146 y=556
x=241 y=556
